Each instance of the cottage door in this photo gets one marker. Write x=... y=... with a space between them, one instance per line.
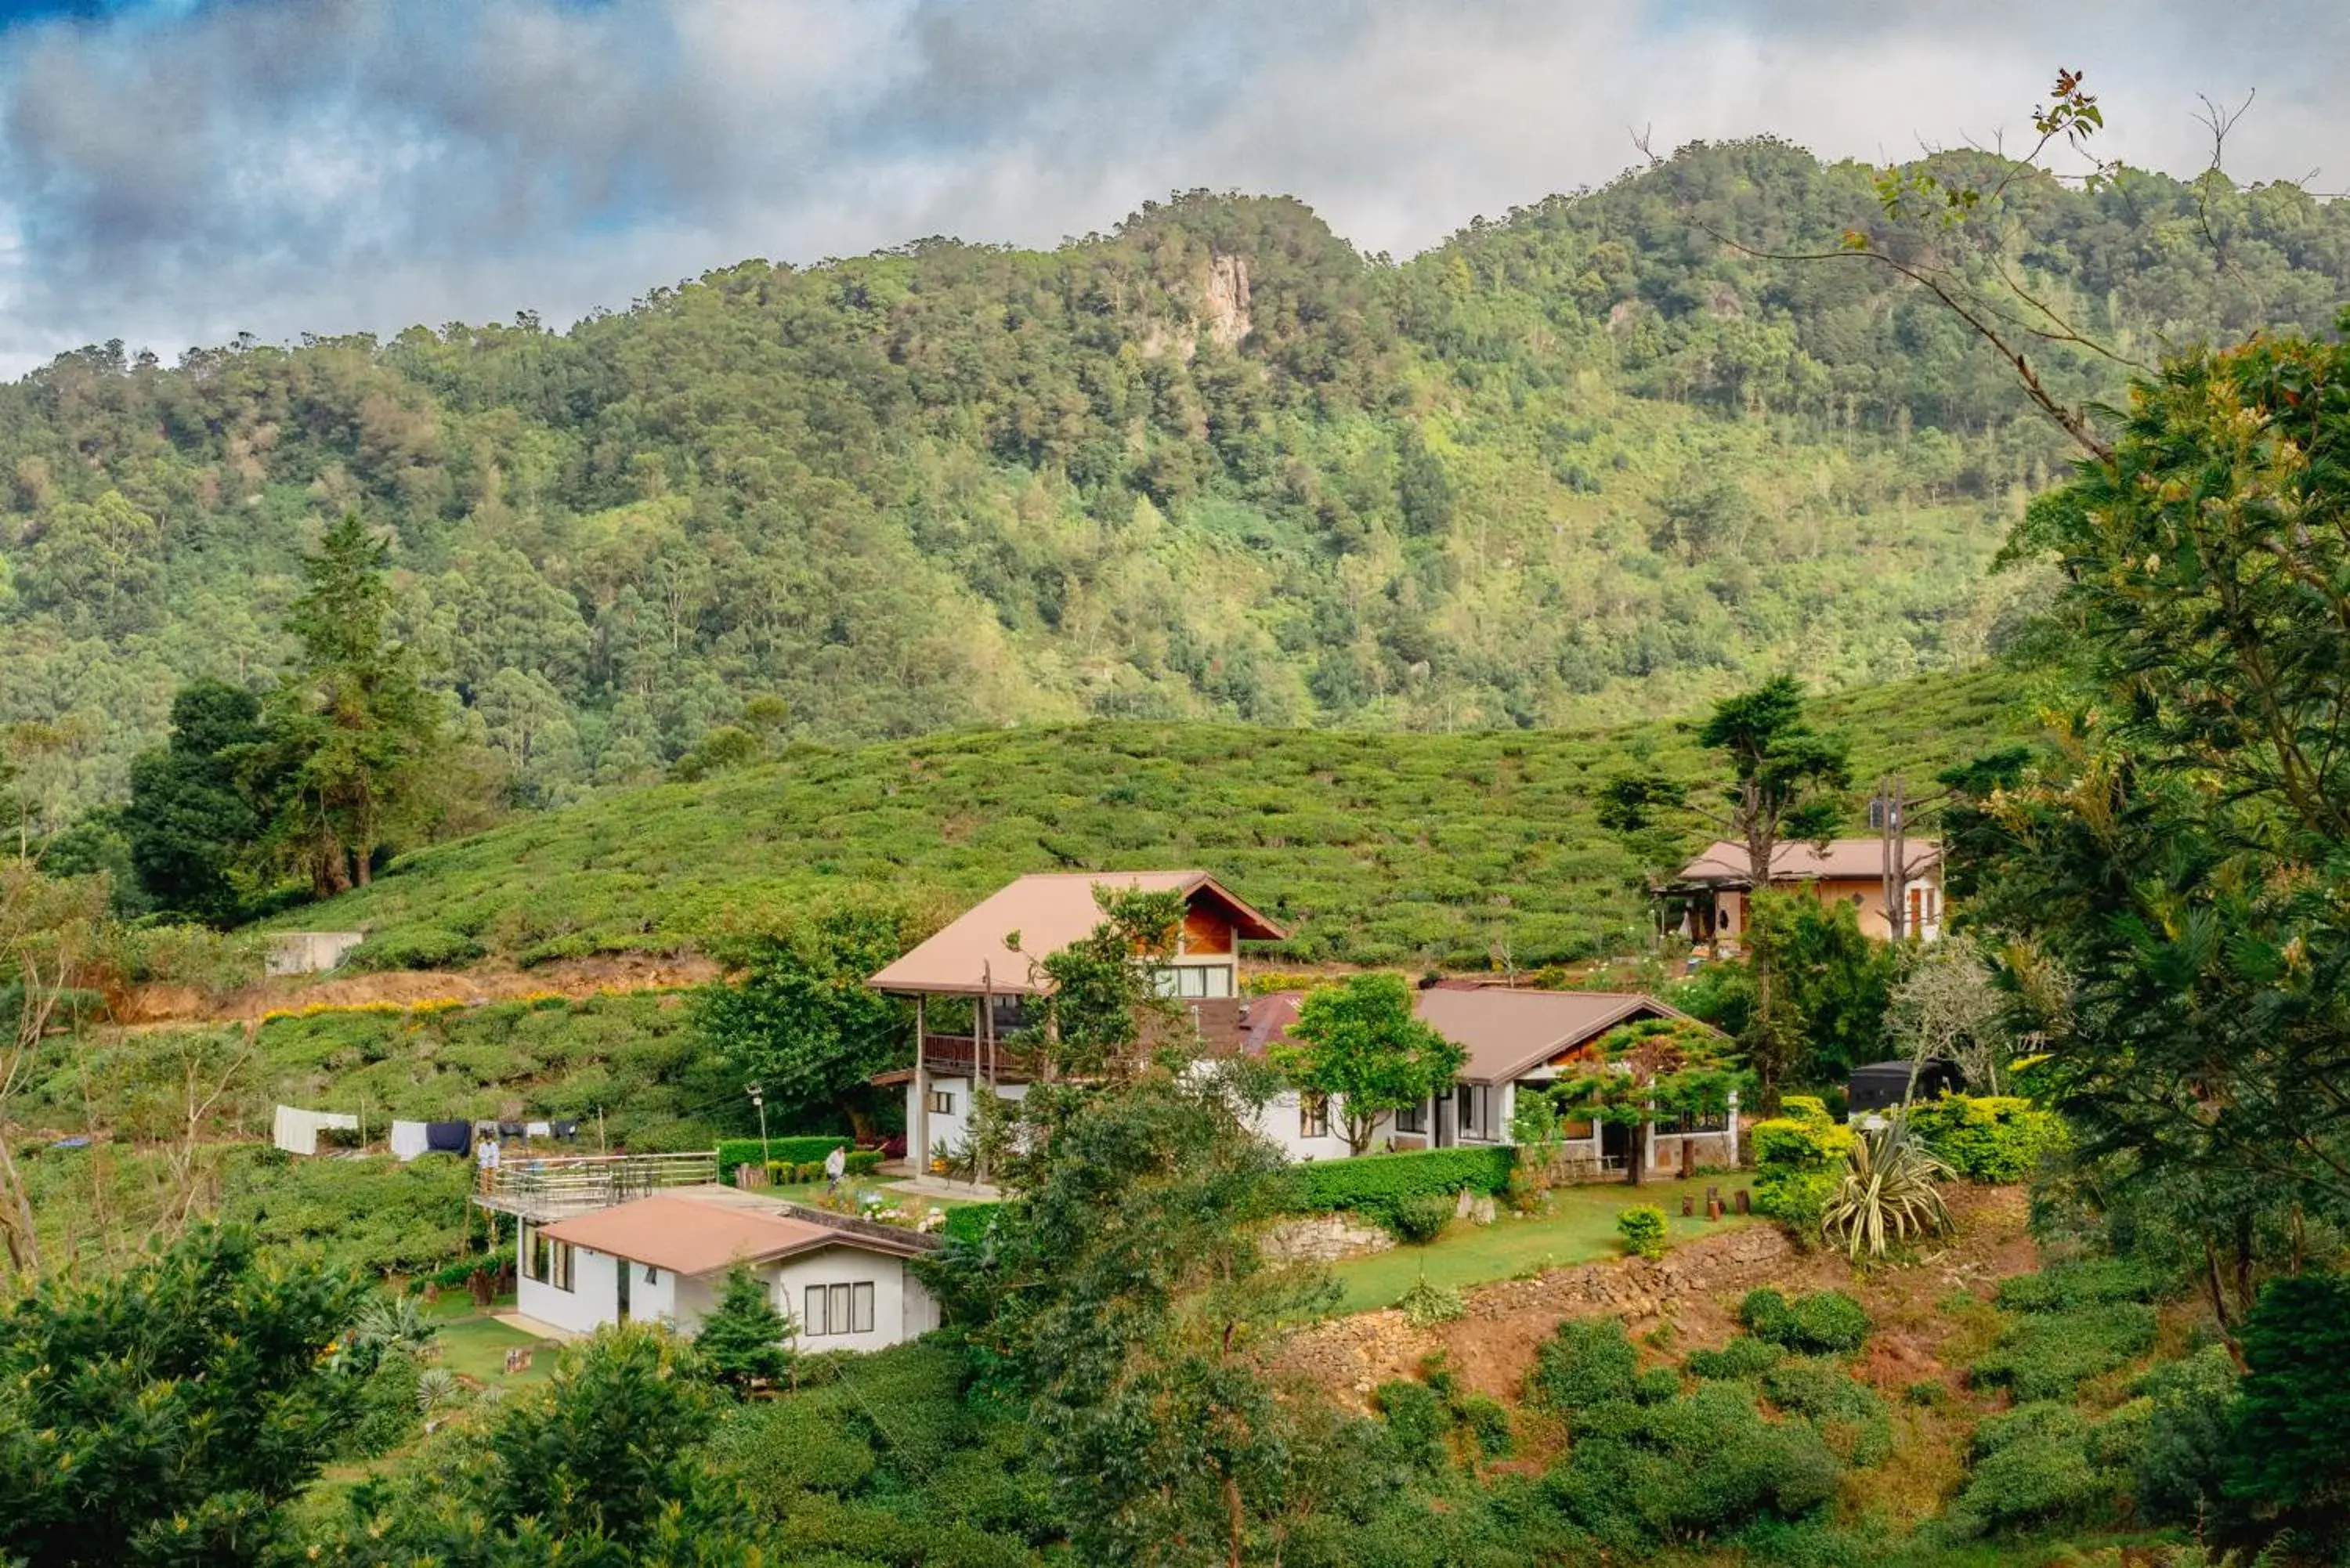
x=620 y=1267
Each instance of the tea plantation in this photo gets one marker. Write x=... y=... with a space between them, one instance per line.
x=1463 y=849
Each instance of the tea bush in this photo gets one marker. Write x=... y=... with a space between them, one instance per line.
x=2047 y=1355
x=1586 y=1363
x=1743 y=1357
x=1821 y=1321
x=2033 y=1466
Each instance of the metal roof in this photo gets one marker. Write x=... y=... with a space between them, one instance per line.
x=701 y=1234
x=1724 y=863
x=1507 y=1033
x=1047 y=911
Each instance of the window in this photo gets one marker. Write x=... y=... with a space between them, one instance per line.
x=1412 y=1118
x=1008 y=1015
x=652 y=1275
x=1312 y=1114
x=1471 y=1103
x=837 y=1309
x=941 y=1103
x=545 y=1262
x=1194 y=982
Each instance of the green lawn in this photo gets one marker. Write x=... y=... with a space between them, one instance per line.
x=1578 y=1226
x=473 y=1343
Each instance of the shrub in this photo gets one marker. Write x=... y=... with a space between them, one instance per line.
x=1378 y=1183
x=1823 y=1322
x=2189 y=1435
x=969 y=1222
x=865 y=1162
x=1802 y=1137
x=1743 y=1357
x=1696 y=1469
x=415 y=947
x=798 y=1149
x=1851 y=1417
x=1992 y=1139
x=1421 y=1218
x=1417 y=1421
x=1798 y=1200
x=1587 y=1362
x=1642 y=1227
x=2032 y=1466
x=2047 y=1355
x=2292 y=1427
x=1425 y=1305
x=1657 y=1385
x=1886 y=1193
x=1488 y=1421
x=2064 y=1287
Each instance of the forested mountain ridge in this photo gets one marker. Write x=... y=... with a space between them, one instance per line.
x=1583 y=463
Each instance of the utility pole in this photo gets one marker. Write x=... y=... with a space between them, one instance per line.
x=759 y=1100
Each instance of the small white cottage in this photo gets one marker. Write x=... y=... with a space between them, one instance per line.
x=846 y=1283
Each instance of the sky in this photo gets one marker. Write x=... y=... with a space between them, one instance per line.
x=173 y=173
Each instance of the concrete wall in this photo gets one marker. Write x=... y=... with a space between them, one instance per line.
x=592 y=1300
x=309 y=953
x=1280 y=1122
x=901 y=1307
x=953 y=1127
x=1865 y=894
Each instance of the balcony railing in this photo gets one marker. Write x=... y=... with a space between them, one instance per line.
x=574 y=1184
x=960 y=1056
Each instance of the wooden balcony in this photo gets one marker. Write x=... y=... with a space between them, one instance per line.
x=961 y=1056
x=543 y=1190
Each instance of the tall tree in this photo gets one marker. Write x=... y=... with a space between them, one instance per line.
x=197 y=804
x=1359 y=1044
x=796 y=1016
x=1786 y=785
x=354 y=727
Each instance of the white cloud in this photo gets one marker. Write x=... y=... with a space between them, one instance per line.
x=336 y=165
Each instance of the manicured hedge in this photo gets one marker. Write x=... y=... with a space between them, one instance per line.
x=1379 y=1183
x=1797 y=1157
x=968 y=1221
x=793 y=1150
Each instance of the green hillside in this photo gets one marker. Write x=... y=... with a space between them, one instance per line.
x=1460 y=849
x=1585 y=465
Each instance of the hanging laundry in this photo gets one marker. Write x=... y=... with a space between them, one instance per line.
x=510 y=1129
x=538 y=1129
x=296 y=1131
x=409 y=1139
x=448 y=1138
x=566 y=1129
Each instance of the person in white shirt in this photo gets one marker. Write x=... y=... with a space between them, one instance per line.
x=836 y=1166
x=485 y=1160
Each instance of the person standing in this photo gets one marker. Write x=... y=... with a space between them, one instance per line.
x=485 y=1162
x=836 y=1166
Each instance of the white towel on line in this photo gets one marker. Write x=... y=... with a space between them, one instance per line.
x=296 y=1131
x=408 y=1140
x=538 y=1129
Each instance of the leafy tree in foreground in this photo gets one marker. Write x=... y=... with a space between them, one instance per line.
x=745 y=1342
x=164 y=1416
x=796 y=1017
x=2292 y=1456
x=603 y=1465
x=1358 y=1043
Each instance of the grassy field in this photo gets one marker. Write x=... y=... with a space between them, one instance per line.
x=1455 y=849
x=1577 y=1226
x=473 y=1343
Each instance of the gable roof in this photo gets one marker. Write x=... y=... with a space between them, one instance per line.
x=1724 y=865
x=1049 y=911
x=688 y=1234
x=1507 y=1033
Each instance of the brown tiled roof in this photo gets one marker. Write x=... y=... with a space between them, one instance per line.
x=1049 y=911
x=1506 y=1033
x=695 y=1235
x=1724 y=864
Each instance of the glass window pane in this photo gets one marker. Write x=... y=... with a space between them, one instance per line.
x=1220 y=980
x=839 y=1307
x=811 y=1311
x=861 y=1318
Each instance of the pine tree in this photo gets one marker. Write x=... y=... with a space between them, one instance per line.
x=745 y=1343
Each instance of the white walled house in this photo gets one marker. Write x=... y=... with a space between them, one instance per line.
x=848 y=1284
x=971 y=972
x=1513 y=1038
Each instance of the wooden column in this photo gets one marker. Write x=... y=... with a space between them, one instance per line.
x=918 y=1126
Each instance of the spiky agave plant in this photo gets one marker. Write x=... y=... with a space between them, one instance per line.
x=1888 y=1192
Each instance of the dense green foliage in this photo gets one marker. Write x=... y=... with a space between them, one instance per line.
x=1462 y=849
x=1798 y=1157
x=1379 y=1184
x=1358 y=1040
x=2292 y=1425
x=744 y=1342
x=1987 y=1138
x=1642 y=1226
x=1582 y=462
x=1817 y=1323
x=795 y=1150
x=2073 y=1322
x=161 y=1416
